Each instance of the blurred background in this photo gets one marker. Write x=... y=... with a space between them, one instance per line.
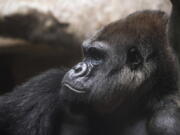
x=36 y=35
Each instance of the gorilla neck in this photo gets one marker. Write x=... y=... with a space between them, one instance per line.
x=140 y=104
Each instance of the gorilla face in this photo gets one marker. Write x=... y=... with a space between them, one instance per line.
x=118 y=61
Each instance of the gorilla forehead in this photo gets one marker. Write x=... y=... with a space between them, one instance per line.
x=136 y=28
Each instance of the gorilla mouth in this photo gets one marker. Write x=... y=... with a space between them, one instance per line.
x=73 y=89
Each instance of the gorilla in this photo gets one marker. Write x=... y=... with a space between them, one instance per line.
x=126 y=83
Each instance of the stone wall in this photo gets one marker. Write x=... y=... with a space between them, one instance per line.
x=85 y=16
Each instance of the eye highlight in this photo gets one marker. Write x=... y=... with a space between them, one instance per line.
x=134 y=58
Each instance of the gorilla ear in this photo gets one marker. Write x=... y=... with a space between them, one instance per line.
x=134 y=58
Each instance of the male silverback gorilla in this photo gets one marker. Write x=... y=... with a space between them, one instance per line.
x=126 y=84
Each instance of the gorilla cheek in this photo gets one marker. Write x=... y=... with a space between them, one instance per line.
x=114 y=89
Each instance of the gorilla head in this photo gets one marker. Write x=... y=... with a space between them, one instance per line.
x=126 y=61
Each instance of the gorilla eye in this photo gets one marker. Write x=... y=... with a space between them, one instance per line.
x=134 y=58
x=95 y=54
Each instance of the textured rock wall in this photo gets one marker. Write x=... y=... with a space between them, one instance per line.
x=85 y=16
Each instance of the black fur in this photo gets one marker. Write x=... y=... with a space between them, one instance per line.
x=31 y=108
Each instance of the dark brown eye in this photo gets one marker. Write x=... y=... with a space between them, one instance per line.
x=95 y=54
x=134 y=58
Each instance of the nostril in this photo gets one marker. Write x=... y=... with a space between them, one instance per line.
x=77 y=69
x=80 y=69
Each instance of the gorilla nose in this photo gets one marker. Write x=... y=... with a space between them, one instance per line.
x=80 y=69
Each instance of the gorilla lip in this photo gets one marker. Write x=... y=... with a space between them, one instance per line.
x=73 y=89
